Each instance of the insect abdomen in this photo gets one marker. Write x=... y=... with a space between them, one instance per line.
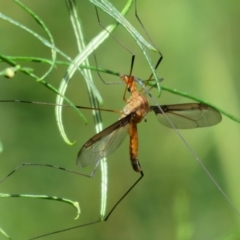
x=134 y=147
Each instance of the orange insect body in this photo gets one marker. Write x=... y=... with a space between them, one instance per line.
x=138 y=105
x=133 y=147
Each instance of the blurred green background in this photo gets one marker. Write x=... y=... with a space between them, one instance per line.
x=175 y=199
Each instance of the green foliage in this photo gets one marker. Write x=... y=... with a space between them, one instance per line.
x=175 y=199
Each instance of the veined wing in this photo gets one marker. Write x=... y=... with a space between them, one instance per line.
x=104 y=143
x=188 y=115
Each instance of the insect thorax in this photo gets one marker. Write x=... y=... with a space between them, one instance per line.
x=136 y=103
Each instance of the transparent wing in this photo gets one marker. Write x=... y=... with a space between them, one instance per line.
x=104 y=143
x=188 y=115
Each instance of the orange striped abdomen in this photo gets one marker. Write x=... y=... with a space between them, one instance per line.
x=133 y=146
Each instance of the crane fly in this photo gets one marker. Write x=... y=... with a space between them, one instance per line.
x=104 y=143
x=182 y=116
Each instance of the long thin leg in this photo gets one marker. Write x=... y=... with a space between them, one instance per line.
x=97 y=221
x=129 y=190
x=63 y=105
x=139 y=20
x=130 y=74
x=50 y=166
x=133 y=56
x=161 y=56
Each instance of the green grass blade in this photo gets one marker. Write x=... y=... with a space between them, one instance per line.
x=44 y=197
x=44 y=27
x=5 y=234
